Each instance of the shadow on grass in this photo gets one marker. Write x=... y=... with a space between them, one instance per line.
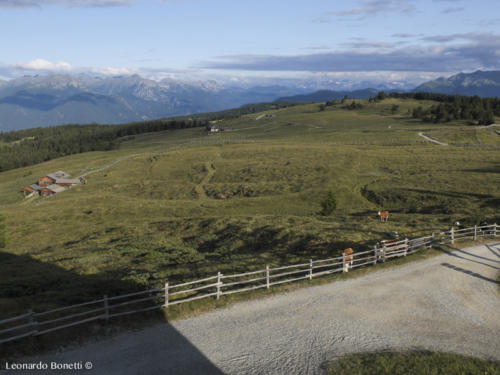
x=491 y=203
x=468 y=272
x=237 y=240
x=28 y=283
x=492 y=169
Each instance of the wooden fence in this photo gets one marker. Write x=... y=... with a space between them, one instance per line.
x=39 y=323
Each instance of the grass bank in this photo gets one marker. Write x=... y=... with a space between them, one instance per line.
x=412 y=362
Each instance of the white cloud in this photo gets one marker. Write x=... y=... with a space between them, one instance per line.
x=477 y=51
x=452 y=10
x=41 y=64
x=370 y=8
x=113 y=71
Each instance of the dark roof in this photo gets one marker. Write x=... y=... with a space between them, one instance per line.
x=35 y=187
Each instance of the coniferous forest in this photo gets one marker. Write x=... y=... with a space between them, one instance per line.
x=481 y=111
x=32 y=146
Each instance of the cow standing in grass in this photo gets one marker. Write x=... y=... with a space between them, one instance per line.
x=348 y=259
x=384 y=215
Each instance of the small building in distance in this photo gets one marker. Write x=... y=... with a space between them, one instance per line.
x=51 y=184
x=68 y=182
x=214 y=128
x=52 y=178
x=31 y=189
x=51 y=190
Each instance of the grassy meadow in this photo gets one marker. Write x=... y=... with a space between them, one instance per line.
x=183 y=204
x=414 y=362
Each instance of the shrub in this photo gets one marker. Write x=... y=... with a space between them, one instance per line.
x=329 y=204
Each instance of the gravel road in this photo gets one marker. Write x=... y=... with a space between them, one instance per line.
x=449 y=303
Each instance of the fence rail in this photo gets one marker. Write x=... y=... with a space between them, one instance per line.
x=36 y=324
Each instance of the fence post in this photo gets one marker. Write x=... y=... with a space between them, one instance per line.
x=166 y=295
x=218 y=284
x=344 y=268
x=452 y=233
x=495 y=230
x=375 y=255
x=33 y=322
x=432 y=240
x=406 y=246
x=267 y=277
x=310 y=269
x=475 y=232
x=106 y=307
x=383 y=253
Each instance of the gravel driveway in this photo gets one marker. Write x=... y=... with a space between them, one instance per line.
x=449 y=302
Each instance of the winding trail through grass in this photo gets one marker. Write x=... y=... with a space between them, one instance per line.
x=200 y=188
x=432 y=139
x=448 y=303
x=113 y=163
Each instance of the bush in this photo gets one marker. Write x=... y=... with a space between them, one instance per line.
x=329 y=204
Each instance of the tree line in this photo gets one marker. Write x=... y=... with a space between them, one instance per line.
x=32 y=146
x=238 y=112
x=451 y=107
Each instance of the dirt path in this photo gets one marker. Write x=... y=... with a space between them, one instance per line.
x=449 y=302
x=432 y=140
x=488 y=126
x=200 y=188
x=111 y=164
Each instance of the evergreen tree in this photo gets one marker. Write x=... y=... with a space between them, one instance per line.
x=329 y=204
x=417 y=112
x=381 y=95
x=487 y=118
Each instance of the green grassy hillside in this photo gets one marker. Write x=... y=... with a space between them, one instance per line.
x=186 y=203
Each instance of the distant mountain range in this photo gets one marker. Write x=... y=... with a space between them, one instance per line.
x=61 y=99
x=485 y=84
x=29 y=102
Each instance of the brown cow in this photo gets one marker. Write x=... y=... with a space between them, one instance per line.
x=348 y=258
x=384 y=215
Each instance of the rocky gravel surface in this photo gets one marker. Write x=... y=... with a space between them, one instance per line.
x=449 y=303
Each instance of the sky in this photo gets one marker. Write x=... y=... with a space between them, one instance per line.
x=233 y=39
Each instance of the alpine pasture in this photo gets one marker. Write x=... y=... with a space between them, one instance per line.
x=182 y=204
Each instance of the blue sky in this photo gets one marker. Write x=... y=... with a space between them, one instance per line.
x=212 y=38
